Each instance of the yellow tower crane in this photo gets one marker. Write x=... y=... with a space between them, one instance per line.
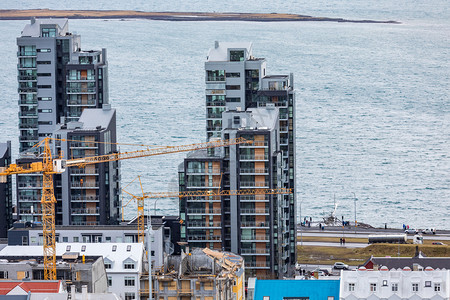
x=141 y=199
x=50 y=166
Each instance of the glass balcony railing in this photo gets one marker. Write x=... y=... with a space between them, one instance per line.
x=254 y=170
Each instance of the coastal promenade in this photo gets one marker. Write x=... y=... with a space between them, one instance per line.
x=25 y=14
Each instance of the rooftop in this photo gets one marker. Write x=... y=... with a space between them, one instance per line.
x=35 y=286
x=33 y=29
x=220 y=51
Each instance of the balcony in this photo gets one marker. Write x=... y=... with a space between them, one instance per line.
x=254 y=224
x=214 y=116
x=255 y=144
x=215 y=103
x=253 y=157
x=81 y=102
x=28 y=123
x=27 y=77
x=258 y=237
x=85 y=211
x=26 y=53
x=252 y=199
x=184 y=292
x=27 y=66
x=255 y=251
x=257 y=265
x=84 y=223
x=29 y=185
x=251 y=184
x=202 y=185
x=254 y=211
x=202 y=199
x=80 y=78
x=84 y=172
x=255 y=171
x=215 y=128
x=27 y=90
x=204 y=238
x=87 y=90
x=28 y=137
x=84 y=185
x=28 y=101
x=204 y=224
x=28 y=114
x=84 y=145
x=29 y=199
x=85 y=199
x=203 y=171
x=202 y=211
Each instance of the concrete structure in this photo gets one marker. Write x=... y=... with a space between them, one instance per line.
x=57 y=83
x=77 y=268
x=125 y=263
x=85 y=196
x=56 y=79
x=243 y=101
x=294 y=289
x=202 y=274
x=6 y=218
x=395 y=284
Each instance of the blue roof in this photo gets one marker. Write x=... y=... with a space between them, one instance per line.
x=313 y=289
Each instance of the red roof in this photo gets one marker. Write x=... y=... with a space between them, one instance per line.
x=31 y=286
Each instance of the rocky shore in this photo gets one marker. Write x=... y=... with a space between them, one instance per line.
x=25 y=14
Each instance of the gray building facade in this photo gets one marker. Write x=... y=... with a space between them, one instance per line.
x=242 y=100
x=6 y=217
x=58 y=82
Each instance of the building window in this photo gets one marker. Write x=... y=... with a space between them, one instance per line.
x=395 y=287
x=236 y=120
x=427 y=283
x=45 y=50
x=233 y=87
x=385 y=283
x=415 y=287
x=109 y=281
x=65 y=239
x=129 y=281
x=44 y=110
x=44 y=74
x=68 y=246
x=108 y=239
x=4 y=275
x=215 y=75
x=48 y=32
x=351 y=287
x=108 y=265
x=233 y=99
x=373 y=287
x=114 y=248
x=128 y=266
x=437 y=287
x=237 y=55
x=83 y=248
x=128 y=248
x=233 y=75
x=129 y=296
x=44 y=98
x=43 y=62
x=76 y=239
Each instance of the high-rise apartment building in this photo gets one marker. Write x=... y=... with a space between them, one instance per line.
x=6 y=219
x=243 y=101
x=57 y=82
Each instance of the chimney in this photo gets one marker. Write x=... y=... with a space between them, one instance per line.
x=106 y=107
x=84 y=290
x=216 y=44
x=417 y=252
x=72 y=291
x=33 y=20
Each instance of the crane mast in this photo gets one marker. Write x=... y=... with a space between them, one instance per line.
x=50 y=166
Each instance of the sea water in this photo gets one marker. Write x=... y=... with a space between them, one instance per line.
x=372 y=127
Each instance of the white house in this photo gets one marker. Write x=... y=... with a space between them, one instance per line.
x=395 y=284
x=125 y=263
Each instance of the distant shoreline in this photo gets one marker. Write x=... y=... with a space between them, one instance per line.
x=25 y=14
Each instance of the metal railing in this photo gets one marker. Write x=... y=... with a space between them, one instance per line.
x=205 y=238
x=253 y=157
x=257 y=237
x=203 y=211
x=204 y=224
x=254 y=170
x=84 y=184
x=255 y=251
x=254 y=224
x=254 y=210
x=253 y=184
x=85 y=211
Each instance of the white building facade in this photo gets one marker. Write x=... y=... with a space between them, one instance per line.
x=125 y=263
x=395 y=284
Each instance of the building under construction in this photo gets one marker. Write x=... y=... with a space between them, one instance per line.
x=201 y=274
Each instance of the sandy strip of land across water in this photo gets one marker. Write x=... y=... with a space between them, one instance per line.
x=24 y=14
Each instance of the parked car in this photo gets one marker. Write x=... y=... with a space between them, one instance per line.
x=322 y=272
x=438 y=243
x=411 y=231
x=429 y=231
x=340 y=265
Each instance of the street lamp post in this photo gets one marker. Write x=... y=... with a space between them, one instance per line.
x=354 y=201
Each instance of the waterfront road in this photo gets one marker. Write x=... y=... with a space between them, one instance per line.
x=325 y=244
